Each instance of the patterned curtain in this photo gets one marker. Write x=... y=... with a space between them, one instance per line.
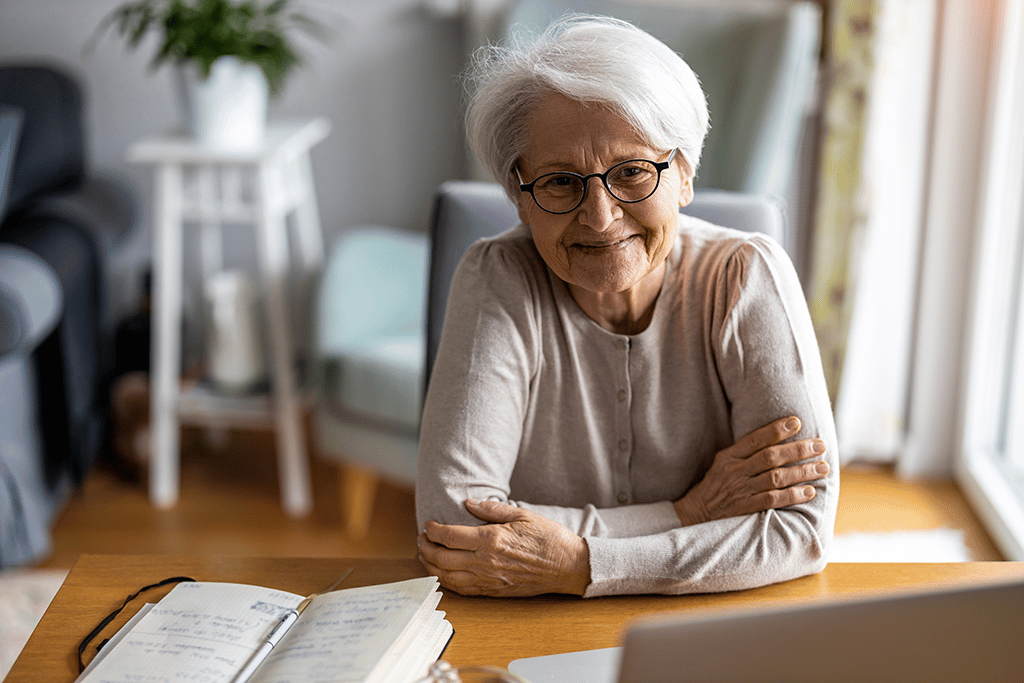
x=840 y=213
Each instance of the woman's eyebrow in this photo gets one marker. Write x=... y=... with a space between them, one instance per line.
x=556 y=166
x=549 y=166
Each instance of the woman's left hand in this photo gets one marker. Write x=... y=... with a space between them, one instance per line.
x=518 y=553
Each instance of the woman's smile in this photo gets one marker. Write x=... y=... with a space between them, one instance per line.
x=598 y=245
x=607 y=264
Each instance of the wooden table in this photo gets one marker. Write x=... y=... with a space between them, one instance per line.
x=487 y=630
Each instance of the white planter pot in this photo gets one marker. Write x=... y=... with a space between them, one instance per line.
x=228 y=110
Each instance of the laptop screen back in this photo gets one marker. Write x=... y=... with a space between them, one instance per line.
x=967 y=634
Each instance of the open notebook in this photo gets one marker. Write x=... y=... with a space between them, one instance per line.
x=954 y=634
x=209 y=632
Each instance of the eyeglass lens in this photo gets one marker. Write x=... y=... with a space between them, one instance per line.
x=630 y=181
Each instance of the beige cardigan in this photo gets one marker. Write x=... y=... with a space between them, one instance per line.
x=531 y=402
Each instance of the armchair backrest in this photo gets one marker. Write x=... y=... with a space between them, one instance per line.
x=757 y=63
x=372 y=285
x=465 y=211
x=10 y=131
x=50 y=156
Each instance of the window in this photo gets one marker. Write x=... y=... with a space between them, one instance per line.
x=990 y=466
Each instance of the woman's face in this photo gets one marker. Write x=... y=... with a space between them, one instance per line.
x=604 y=245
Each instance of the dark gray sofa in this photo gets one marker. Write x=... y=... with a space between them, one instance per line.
x=53 y=382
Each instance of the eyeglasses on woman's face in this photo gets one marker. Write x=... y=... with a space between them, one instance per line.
x=628 y=181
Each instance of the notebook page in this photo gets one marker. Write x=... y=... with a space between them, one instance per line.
x=342 y=635
x=412 y=656
x=114 y=640
x=414 y=637
x=200 y=632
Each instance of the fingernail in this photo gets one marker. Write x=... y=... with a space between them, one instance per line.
x=818 y=446
x=472 y=501
x=808 y=492
x=793 y=424
x=821 y=468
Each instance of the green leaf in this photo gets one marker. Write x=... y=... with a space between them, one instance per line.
x=276 y=7
x=200 y=31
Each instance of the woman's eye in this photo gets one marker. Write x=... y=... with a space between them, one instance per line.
x=631 y=173
x=558 y=183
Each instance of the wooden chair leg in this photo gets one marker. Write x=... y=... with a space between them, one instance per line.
x=358 y=489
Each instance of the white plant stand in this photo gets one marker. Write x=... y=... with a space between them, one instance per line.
x=282 y=185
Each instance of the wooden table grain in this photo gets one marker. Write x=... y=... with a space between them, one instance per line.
x=489 y=631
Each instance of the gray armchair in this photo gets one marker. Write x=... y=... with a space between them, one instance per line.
x=380 y=314
x=54 y=397
x=30 y=305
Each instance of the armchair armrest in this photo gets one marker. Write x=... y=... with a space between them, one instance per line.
x=30 y=300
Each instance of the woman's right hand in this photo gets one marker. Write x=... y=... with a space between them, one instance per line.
x=757 y=473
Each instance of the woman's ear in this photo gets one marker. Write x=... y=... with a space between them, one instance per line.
x=523 y=206
x=525 y=202
x=686 y=188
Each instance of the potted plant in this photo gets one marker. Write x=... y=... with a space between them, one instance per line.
x=232 y=54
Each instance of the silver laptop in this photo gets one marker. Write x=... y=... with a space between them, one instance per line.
x=959 y=634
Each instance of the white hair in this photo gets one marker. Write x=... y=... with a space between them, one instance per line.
x=590 y=59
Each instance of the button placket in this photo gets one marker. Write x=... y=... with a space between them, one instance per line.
x=623 y=446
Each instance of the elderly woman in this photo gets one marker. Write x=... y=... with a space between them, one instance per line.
x=625 y=399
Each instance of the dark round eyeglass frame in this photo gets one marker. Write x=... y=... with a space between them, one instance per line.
x=659 y=166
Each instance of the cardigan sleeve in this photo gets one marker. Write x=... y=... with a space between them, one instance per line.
x=476 y=401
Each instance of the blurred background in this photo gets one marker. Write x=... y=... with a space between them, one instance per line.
x=885 y=126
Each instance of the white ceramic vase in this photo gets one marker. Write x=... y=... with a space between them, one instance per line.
x=235 y=350
x=228 y=110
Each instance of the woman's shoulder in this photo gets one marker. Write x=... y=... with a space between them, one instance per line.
x=510 y=253
x=711 y=245
x=731 y=261
x=504 y=268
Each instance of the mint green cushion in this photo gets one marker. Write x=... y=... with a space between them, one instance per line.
x=380 y=381
x=370 y=327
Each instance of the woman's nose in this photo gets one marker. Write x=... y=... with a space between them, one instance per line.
x=599 y=208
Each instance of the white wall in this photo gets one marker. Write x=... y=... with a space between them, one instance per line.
x=387 y=81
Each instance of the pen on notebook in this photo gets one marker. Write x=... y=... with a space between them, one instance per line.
x=263 y=651
x=277 y=633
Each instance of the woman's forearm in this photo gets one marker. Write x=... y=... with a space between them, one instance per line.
x=728 y=554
